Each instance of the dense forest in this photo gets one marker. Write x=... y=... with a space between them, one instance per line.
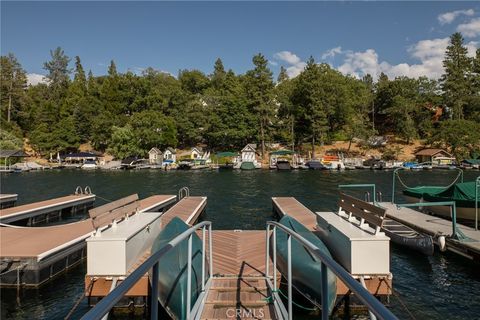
x=127 y=114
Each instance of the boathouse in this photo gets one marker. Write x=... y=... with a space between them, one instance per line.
x=79 y=157
x=249 y=153
x=434 y=156
x=155 y=156
x=170 y=155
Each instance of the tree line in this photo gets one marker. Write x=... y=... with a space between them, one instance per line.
x=127 y=114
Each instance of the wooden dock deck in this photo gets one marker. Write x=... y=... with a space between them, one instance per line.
x=436 y=226
x=42 y=252
x=188 y=209
x=71 y=203
x=290 y=206
x=8 y=200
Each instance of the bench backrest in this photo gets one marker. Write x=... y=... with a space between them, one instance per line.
x=367 y=212
x=114 y=211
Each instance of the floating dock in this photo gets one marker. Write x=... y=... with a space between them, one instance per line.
x=376 y=285
x=29 y=256
x=42 y=211
x=437 y=226
x=8 y=200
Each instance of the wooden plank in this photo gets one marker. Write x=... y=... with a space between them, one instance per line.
x=370 y=213
x=363 y=205
x=112 y=205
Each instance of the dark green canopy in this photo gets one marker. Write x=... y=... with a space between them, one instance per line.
x=462 y=193
x=281 y=152
x=226 y=154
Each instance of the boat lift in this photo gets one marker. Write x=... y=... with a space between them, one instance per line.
x=152 y=263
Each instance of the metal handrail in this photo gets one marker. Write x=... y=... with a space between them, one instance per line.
x=395 y=174
x=377 y=308
x=365 y=185
x=108 y=302
x=183 y=192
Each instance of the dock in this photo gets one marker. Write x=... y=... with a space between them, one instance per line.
x=436 y=226
x=29 y=256
x=7 y=200
x=42 y=211
x=376 y=285
x=188 y=209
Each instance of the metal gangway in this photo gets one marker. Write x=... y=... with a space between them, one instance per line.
x=102 y=309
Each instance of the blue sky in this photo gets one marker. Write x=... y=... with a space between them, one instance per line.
x=399 y=38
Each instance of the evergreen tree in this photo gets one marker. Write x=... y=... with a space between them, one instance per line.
x=455 y=81
x=58 y=71
x=13 y=83
x=260 y=90
x=112 y=69
x=282 y=75
x=219 y=74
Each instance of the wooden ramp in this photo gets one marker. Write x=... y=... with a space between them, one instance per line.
x=55 y=247
x=239 y=288
x=435 y=226
x=188 y=209
x=292 y=207
x=31 y=210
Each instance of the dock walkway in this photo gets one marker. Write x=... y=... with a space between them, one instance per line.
x=8 y=200
x=32 y=210
x=42 y=252
x=436 y=226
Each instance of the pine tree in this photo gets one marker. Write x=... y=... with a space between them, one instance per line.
x=259 y=83
x=219 y=74
x=282 y=75
x=455 y=81
x=58 y=71
x=112 y=69
x=13 y=82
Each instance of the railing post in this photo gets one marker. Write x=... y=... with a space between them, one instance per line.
x=210 y=253
x=324 y=292
x=203 y=257
x=154 y=293
x=453 y=214
x=189 y=277
x=267 y=250
x=274 y=244
x=477 y=185
x=289 y=262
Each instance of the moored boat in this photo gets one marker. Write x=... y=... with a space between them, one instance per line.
x=283 y=164
x=408 y=237
x=315 y=165
x=462 y=193
x=306 y=270
x=172 y=271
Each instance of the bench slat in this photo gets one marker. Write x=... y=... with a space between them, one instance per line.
x=370 y=213
x=112 y=205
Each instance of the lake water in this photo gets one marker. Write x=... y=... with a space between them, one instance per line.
x=443 y=286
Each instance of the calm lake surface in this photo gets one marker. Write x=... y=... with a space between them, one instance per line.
x=443 y=286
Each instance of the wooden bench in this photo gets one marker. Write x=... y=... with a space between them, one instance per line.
x=352 y=208
x=114 y=211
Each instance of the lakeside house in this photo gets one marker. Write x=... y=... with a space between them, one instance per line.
x=155 y=157
x=170 y=155
x=79 y=157
x=249 y=153
x=434 y=156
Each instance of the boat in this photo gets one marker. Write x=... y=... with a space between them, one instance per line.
x=247 y=165
x=172 y=271
x=462 y=193
x=405 y=236
x=306 y=270
x=89 y=164
x=283 y=164
x=186 y=164
x=333 y=162
x=315 y=165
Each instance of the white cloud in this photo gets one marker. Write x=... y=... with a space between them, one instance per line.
x=449 y=17
x=332 y=53
x=470 y=29
x=430 y=54
x=34 y=78
x=296 y=65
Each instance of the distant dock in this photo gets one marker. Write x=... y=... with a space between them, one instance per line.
x=7 y=200
x=437 y=226
x=29 y=256
x=42 y=211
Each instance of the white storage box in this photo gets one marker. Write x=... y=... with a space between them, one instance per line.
x=359 y=252
x=114 y=251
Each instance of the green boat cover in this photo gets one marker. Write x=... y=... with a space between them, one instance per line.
x=282 y=152
x=172 y=283
x=306 y=269
x=462 y=193
x=226 y=154
x=247 y=166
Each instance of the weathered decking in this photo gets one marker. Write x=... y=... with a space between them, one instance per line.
x=436 y=226
x=292 y=207
x=54 y=248
x=32 y=210
x=188 y=209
